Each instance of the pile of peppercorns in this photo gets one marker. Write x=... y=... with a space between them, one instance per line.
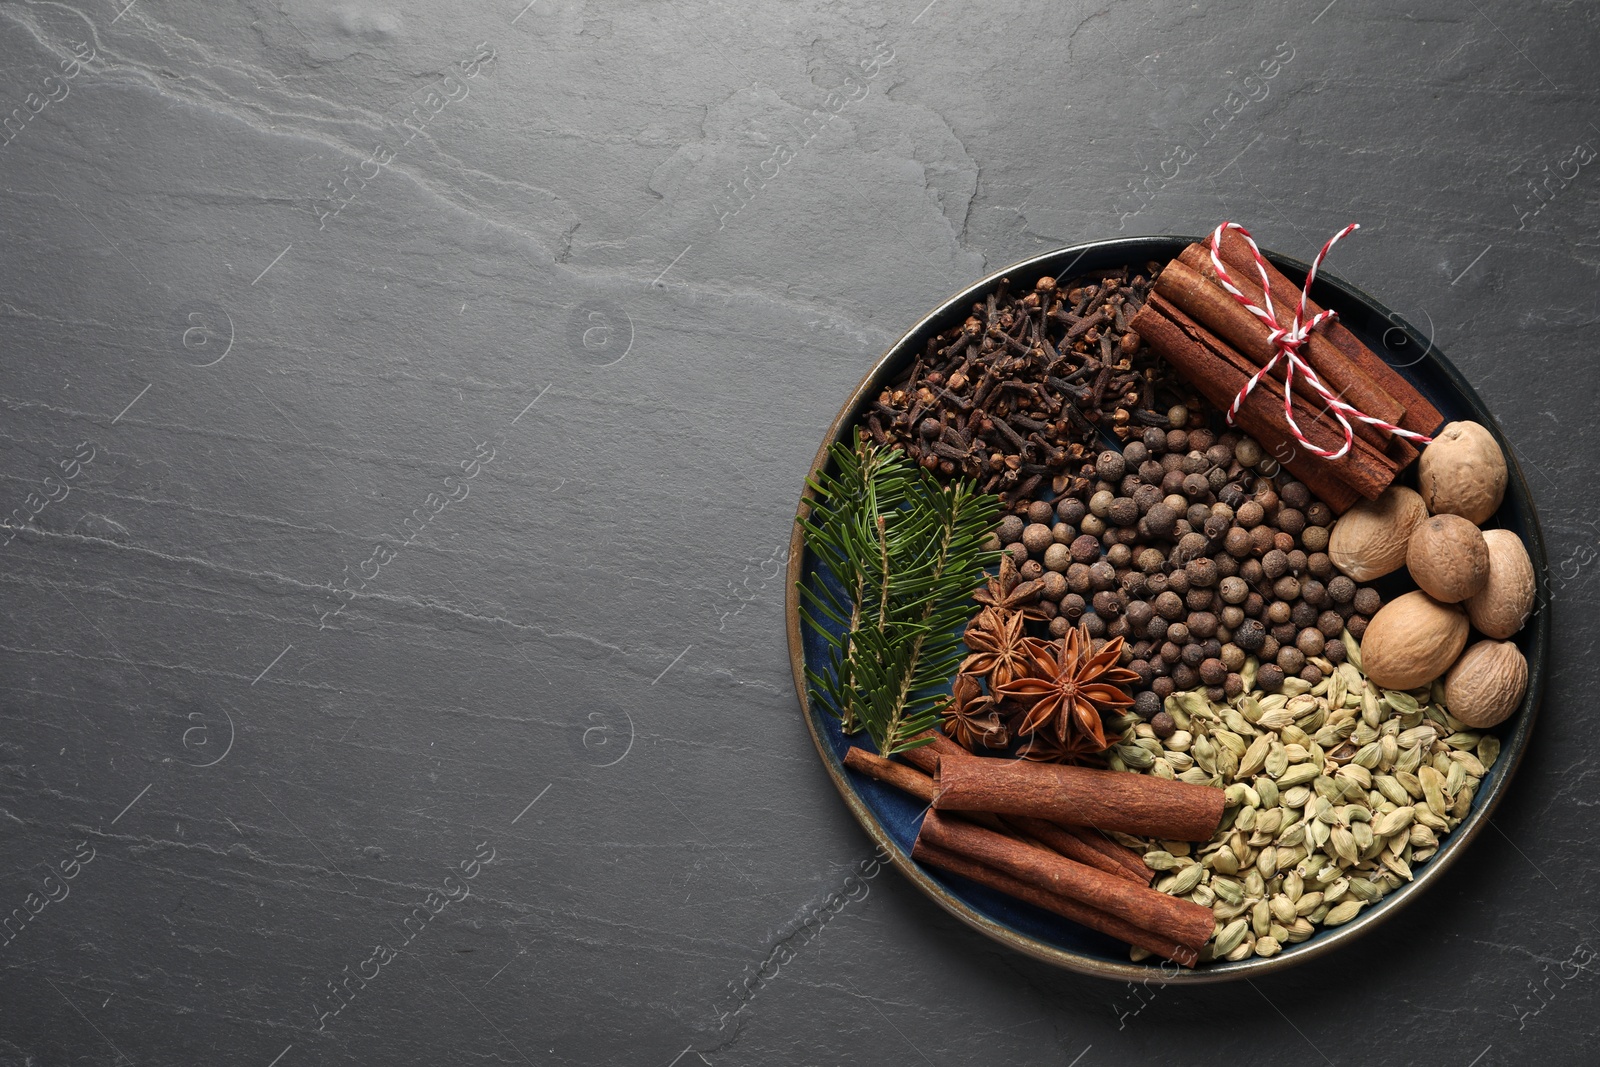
x=1197 y=550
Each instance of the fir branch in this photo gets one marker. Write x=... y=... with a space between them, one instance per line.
x=904 y=553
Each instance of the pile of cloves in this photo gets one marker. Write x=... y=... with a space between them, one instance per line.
x=1016 y=396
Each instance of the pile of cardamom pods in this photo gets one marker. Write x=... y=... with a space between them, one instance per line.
x=1334 y=792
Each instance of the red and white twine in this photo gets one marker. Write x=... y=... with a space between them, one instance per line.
x=1288 y=341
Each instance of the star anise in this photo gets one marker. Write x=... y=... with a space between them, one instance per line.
x=1070 y=686
x=1001 y=650
x=1044 y=748
x=971 y=718
x=1007 y=591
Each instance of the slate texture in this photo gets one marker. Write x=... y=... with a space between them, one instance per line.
x=402 y=411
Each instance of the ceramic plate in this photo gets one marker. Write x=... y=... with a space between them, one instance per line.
x=891 y=818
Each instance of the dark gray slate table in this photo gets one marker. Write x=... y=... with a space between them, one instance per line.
x=403 y=412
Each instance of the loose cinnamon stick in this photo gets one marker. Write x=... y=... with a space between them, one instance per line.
x=1073 y=847
x=1420 y=416
x=1128 y=859
x=1193 y=287
x=1082 y=914
x=1204 y=367
x=910 y=779
x=925 y=758
x=1112 y=800
x=1183 y=921
x=889 y=772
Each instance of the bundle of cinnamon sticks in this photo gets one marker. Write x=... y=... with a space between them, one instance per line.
x=1032 y=831
x=1217 y=345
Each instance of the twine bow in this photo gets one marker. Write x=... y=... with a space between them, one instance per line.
x=1288 y=341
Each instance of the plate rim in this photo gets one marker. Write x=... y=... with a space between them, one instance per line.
x=1326 y=940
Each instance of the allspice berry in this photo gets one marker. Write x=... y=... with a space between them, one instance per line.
x=1111 y=465
x=1160 y=520
x=1249 y=635
x=1053 y=583
x=1037 y=537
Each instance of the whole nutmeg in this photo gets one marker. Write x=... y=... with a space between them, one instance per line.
x=1463 y=472
x=1486 y=684
x=1448 y=557
x=1412 y=640
x=1503 y=604
x=1370 y=539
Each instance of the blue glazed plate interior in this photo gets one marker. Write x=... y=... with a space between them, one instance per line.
x=1412 y=353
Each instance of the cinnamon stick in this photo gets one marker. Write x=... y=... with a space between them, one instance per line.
x=1125 y=857
x=1338 y=371
x=1083 y=914
x=1419 y=415
x=1113 y=800
x=927 y=756
x=1193 y=286
x=1364 y=468
x=889 y=772
x=1185 y=347
x=910 y=779
x=1183 y=921
x=1070 y=845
